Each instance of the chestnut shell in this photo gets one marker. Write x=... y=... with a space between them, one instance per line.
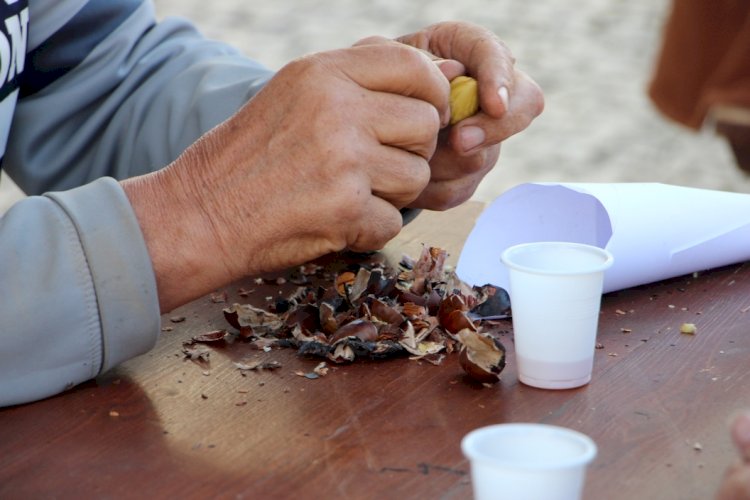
x=482 y=357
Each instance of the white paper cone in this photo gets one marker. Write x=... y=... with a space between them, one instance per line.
x=654 y=231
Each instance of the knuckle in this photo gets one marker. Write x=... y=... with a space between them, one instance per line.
x=410 y=55
x=302 y=67
x=414 y=178
x=390 y=229
x=422 y=175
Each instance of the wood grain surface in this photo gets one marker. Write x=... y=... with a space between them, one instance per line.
x=160 y=426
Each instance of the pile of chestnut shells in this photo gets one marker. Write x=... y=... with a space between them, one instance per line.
x=372 y=311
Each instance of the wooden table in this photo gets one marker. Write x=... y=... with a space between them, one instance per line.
x=163 y=427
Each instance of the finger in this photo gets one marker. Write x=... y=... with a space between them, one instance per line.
x=481 y=130
x=382 y=224
x=397 y=69
x=446 y=164
x=485 y=56
x=449 y=67
x=408 y=124
x=449 y=187
x=444 y=195
x=399 y=177
x=740 y=432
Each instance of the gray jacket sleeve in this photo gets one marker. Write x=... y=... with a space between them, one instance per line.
x=78 y=294
x=77 y=289
x=132 y=103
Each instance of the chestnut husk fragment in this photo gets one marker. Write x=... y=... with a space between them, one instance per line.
x=261 y=321
x=482 y=357
x=213 y=336
x=496 y=302
x=386 y=313
x=362 y=329
x=370 y=311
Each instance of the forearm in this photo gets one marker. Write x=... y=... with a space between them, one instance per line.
x=78 y=294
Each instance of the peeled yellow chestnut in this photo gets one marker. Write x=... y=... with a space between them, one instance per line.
x=464 y=98
x=482 y=357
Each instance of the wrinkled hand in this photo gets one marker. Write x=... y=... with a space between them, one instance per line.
x=320 y=160
x=509 y=101
x=736 y=483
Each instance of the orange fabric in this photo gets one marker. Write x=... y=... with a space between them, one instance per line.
x=704 y=59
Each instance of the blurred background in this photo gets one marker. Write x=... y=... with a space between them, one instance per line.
x=592 y=58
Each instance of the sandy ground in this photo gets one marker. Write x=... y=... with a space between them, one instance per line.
x=593 y=59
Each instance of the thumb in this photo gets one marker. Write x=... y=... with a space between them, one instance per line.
x=740 y=431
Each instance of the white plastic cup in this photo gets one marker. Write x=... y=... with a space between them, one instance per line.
x=526 y=461
x=555 y=297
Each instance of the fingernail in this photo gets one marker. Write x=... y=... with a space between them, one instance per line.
x=503 y=93
x=471 y=137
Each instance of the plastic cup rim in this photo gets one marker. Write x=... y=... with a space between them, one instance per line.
x=603 y=252
x=469 y=448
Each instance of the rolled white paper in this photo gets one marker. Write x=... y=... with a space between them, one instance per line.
x=654 y=231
